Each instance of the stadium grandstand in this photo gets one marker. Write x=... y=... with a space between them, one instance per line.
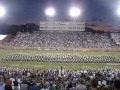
x=63 y=35
x=64 y=39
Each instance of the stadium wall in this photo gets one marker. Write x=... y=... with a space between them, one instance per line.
x=74 y=49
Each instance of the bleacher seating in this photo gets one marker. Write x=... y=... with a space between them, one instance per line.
x=63 y=39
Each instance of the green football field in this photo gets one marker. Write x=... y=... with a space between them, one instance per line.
x=55 y=65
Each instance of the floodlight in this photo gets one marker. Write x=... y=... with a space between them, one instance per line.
x=2 y=11
x=50 y=12
x=118 y=11
x=74 y=12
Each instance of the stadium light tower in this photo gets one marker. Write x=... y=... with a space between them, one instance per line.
x=74 y=12
x=118 y=11
x=2 y=11
x=50 y=12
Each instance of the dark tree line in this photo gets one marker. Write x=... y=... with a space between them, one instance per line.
x=29 y=27
x=94 y=31
x=13 y=29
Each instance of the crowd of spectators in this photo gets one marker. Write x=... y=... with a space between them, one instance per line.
x=116 y=37
x=61 y=57
x=63 y=39
x=58 y=79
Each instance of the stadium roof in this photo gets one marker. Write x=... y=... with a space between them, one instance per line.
x=2 y=36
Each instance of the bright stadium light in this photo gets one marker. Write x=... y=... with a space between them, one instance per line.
x=50 y=12
x=74 y=12
x=2 y=11
x=118 y=11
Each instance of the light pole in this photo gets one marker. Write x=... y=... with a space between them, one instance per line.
x=50 y=13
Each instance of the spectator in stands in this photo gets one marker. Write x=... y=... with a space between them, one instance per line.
x=15 y=84
x=2 y=86
x=94 y=84
x=45 y=88
x=2 y=83
x=69 y=79
x=117 y=84
x=24 y=85
x=81 y=85
x=34 y=87
x=106 y=87
x=8 y=85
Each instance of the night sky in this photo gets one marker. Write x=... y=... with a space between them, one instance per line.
x=23 y=11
